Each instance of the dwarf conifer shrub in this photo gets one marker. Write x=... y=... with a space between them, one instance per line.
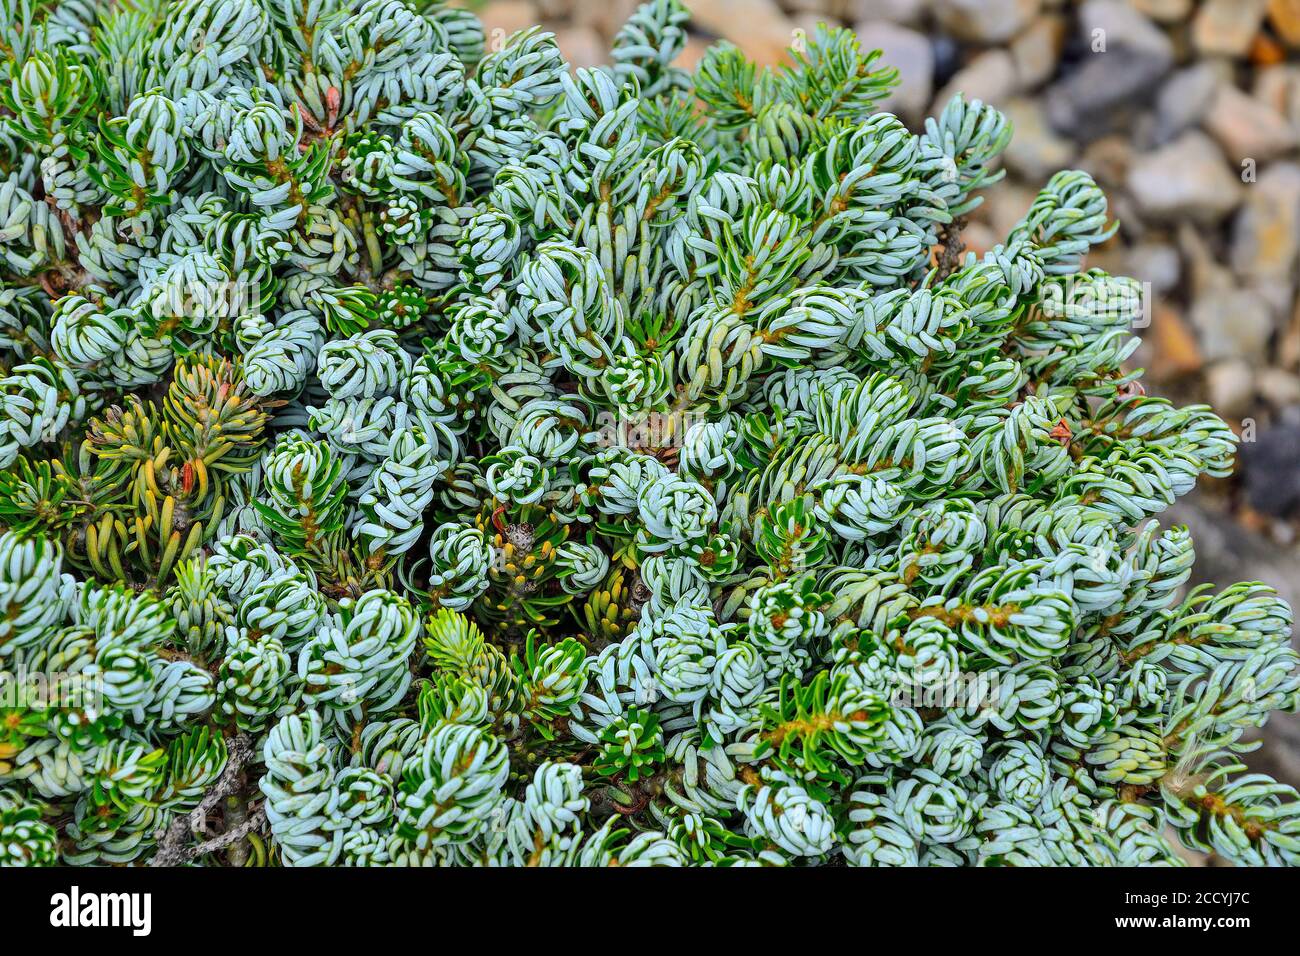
x=420 y=453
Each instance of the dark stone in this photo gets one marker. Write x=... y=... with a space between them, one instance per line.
x=1100 y=95
x=947 y=59
x=1271 y=466
x=1102 y=86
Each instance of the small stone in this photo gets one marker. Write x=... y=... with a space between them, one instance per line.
x=581 y=46
x=1188 y=179
x=1288 y=346
x=1205 y=269
x=1124 y=211
x=1231 y=385
x=756 y=26
x=1035 y=152
x=1279 y=87
x=912 y=53
x=1284 y=533
x=806 y=23
x=507 y=16
x=1278 y=292
x=1278 y=387
x=1037 y=50
x=907 y=12
x=1174 y=352
x=1108 y=160
x=947 y=58
x=1265 y=51
x=1185 y=99
x=1125 y=56
x=1005 y=206
x=1266 y=234
x=978 y=239
x=1276 y=86
x=1157 y=265
x=990 y=77
x=1248 y=128
x=605 y=17
x=1227 y=27
x=1233 y=324
x=1105 y=24
x=1284 y=15
x=1164 y=11
x=985 y=21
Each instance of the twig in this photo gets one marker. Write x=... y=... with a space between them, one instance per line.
x=952 y=248
x=172 y=849
x=252 y=822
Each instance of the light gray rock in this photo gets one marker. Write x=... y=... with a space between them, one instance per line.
x=1164 y=11
x=1279 y=87
x=1205 y=268
x=1280 y=388
x=1266 y=232
x=1185 y=98
x=990 y=77
x=507 y=16
x=553 y=9
x=759 y=27
x=605 y=17
x=1231 y=384
x=913 y=54
x=978 y=238
x=1248 y=128
x=1278 y=292
x=1227 y=27
x=1037 y=50
x=1233 y=325
x=1035 y=152
x=1116 y=23
x=1005 y=206
x=985 y=21
x=581 y=46
x=1156 y=264
x=1108 y=160
x=1187 y=179
x=907 y=12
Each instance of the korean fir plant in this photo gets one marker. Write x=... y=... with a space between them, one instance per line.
x=419 y=453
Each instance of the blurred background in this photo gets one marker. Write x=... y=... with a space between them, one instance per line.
x=1187 y=112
